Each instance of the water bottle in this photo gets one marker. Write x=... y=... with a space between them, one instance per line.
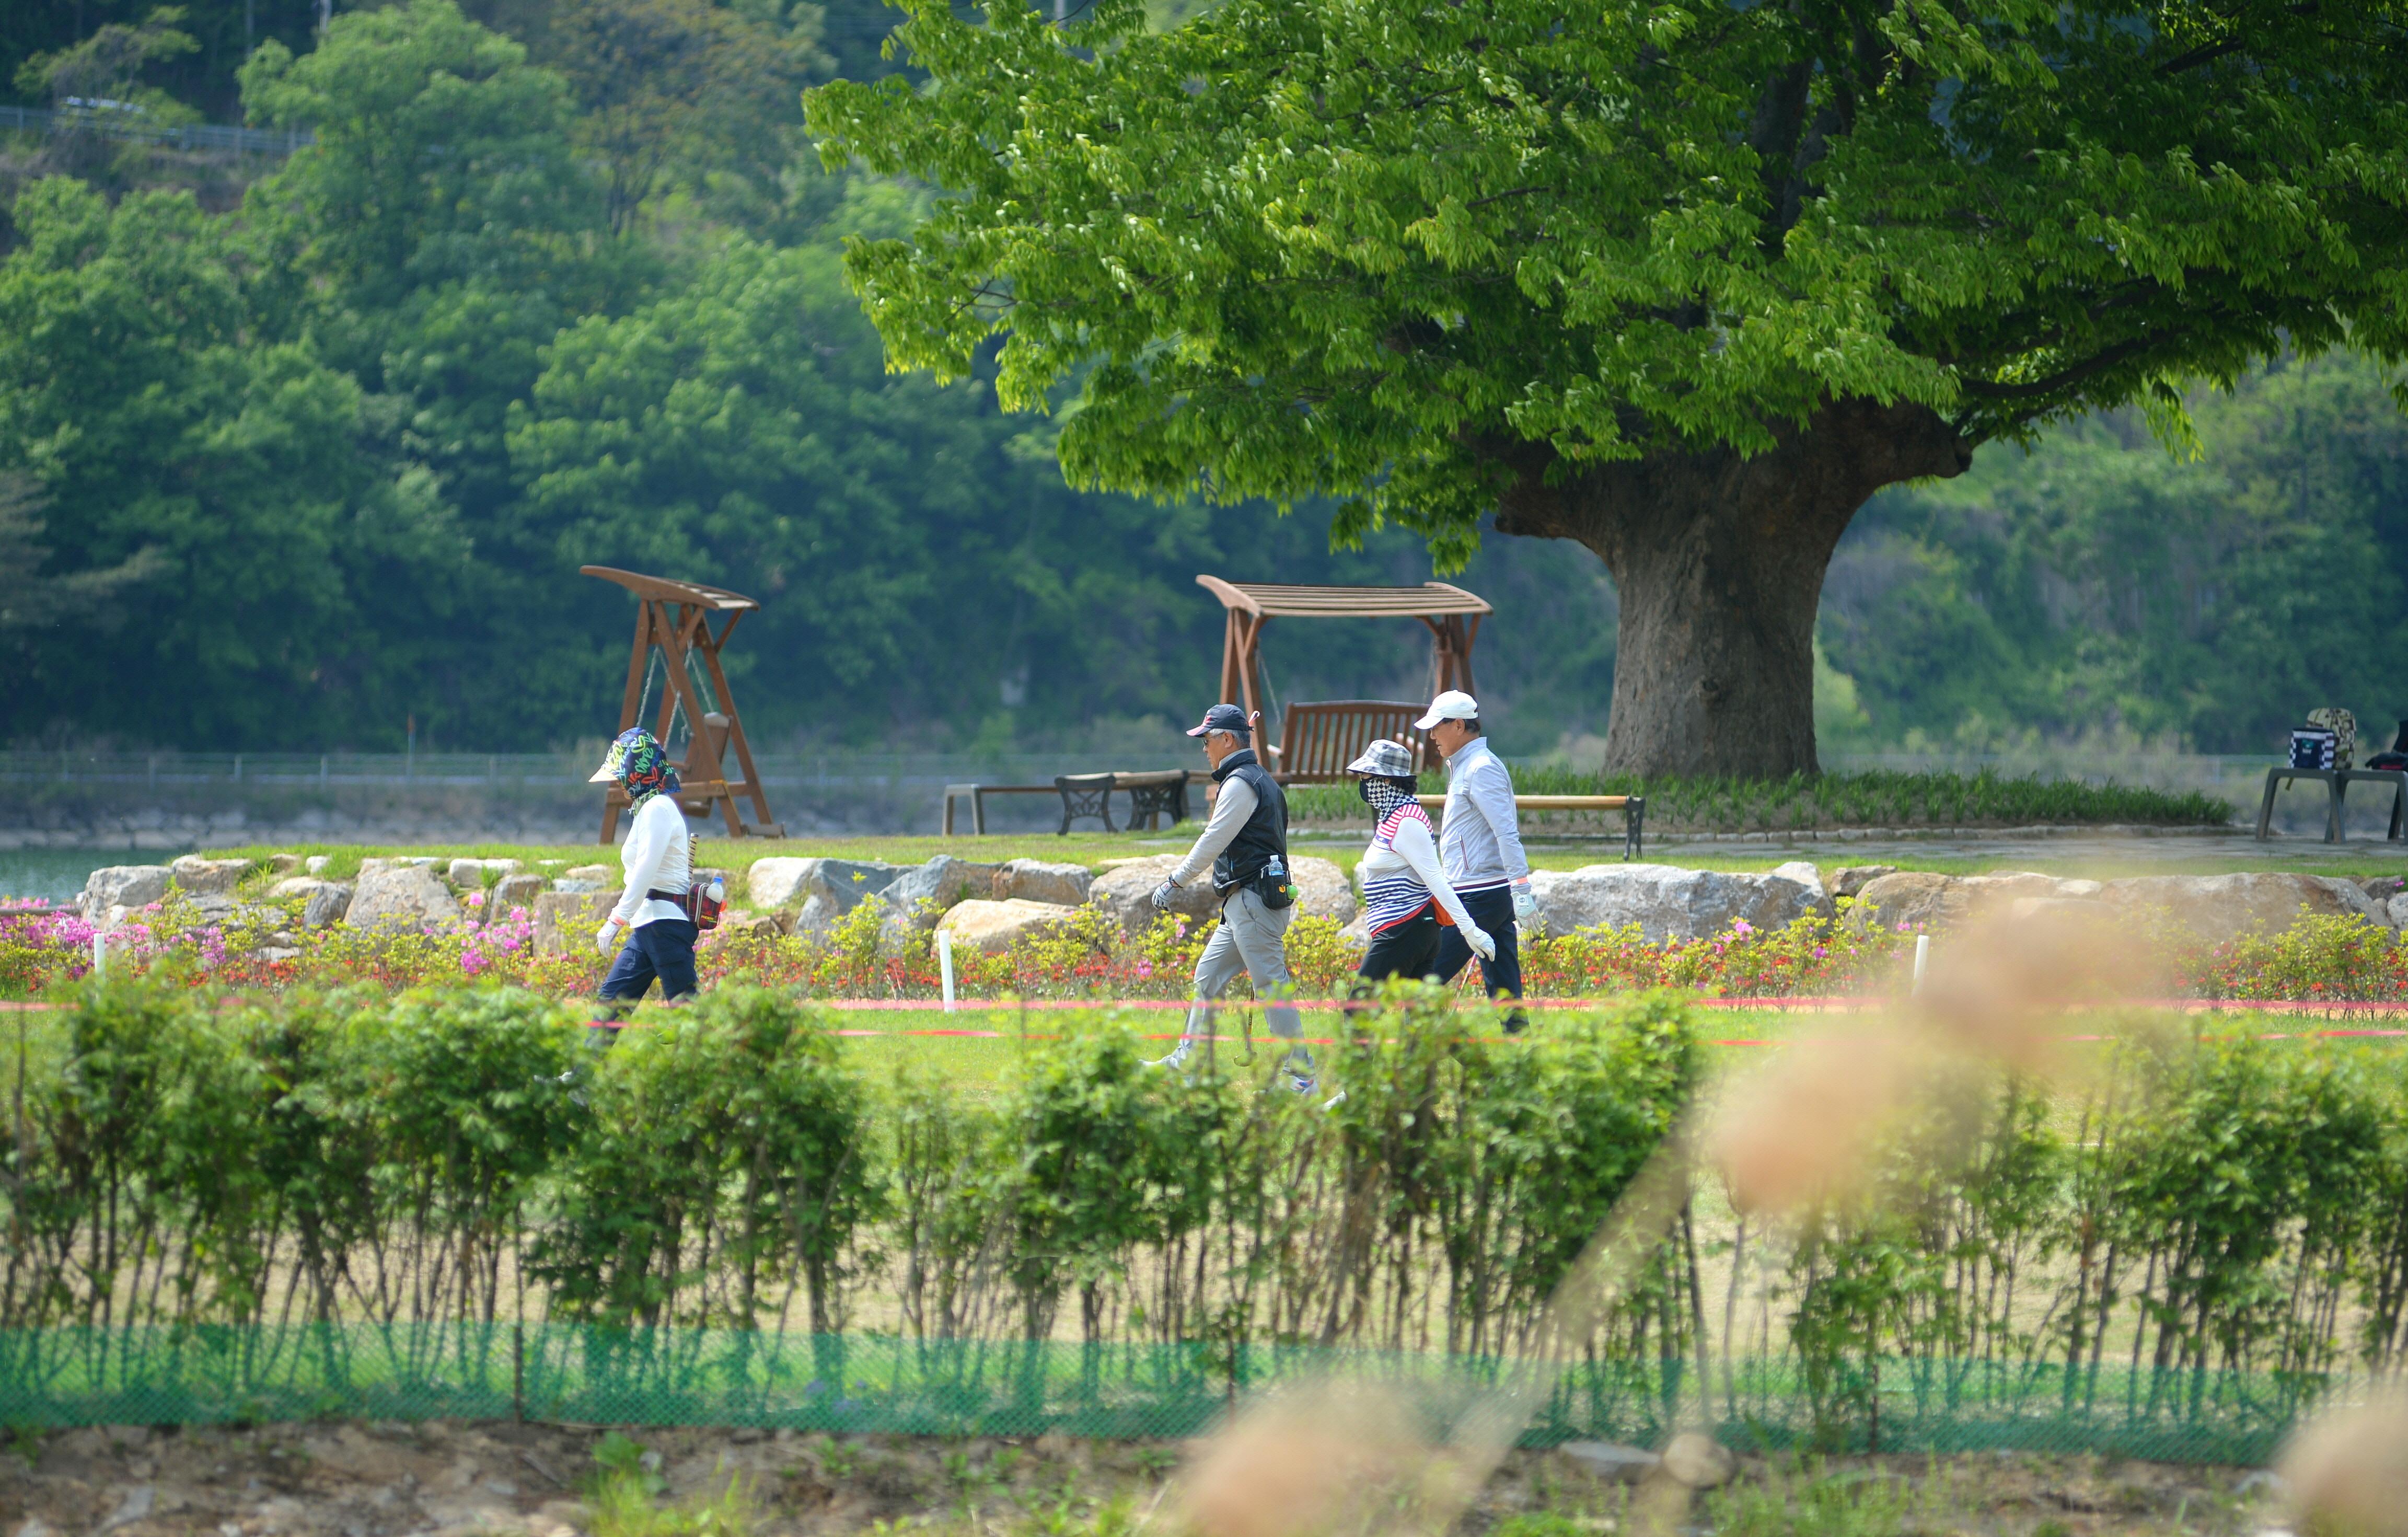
x=716 y=891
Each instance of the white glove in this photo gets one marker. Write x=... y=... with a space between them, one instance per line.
x=1165 y=896
x=1526 y=906
x=605 y=940
x=1481 y=946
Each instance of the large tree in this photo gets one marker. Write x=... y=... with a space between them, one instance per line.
x=1685 y=281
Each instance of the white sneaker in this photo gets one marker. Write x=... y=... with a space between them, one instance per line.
x=1334 y=1100
x=1176 y=1060
x=1303 y=1082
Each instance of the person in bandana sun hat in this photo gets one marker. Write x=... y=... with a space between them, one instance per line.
x=648 y=934
x=1407 y=902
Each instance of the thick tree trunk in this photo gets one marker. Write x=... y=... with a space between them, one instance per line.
x=1719 y=562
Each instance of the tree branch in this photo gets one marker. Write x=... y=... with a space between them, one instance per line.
x=1992 y=390
x=2209 y=52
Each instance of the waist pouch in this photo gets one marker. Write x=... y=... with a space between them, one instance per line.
x=699 y=910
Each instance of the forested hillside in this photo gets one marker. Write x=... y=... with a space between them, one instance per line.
x=297 y=450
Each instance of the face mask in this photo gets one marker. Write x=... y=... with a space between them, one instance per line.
x=1363 y=791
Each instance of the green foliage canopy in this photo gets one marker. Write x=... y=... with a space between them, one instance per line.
x=1415 y=255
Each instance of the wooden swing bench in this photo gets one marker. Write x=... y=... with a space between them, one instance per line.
x=1320 y=737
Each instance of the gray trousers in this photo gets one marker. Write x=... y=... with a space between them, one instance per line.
x=1251 y=939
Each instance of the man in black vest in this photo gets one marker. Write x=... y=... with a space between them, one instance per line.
x=1245 y=844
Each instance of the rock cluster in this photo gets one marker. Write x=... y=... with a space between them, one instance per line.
x=1669 y=902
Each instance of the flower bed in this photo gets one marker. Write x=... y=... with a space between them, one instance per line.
x=2320 y=959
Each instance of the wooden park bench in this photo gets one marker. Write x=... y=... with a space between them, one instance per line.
x=1633 y=809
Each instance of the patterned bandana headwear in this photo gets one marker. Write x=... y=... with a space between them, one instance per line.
x=643 y=765
x=1384 y=794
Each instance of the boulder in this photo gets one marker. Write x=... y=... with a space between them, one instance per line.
x=1323 y=890
x=197 y=875
x=565 y=921
x=1607 y=1459
x=838 y=885
x=1040 y=880
x=606 y=874
x=1698 y=1460
x=1851 y=880
x=919 y=896
x=285 y=864
x=2216 y=907
x=1122 y=892
x=994 y=926
x=768 y=925
x=322 y=902
x=329 y=904
x=316 y=864
x=1668 y=902
x=471 y=873
x=409 y=861
x=519 y=890
x=1921 y=900
x=122 y=885
x=406 y=895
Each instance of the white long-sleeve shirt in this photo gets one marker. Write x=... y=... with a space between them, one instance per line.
x=658 y=856
x=1402 y=874
x=1481 y=839
x=1231 y=806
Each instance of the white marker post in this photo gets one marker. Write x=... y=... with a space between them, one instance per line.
x=100 y=955
x=945 y=965
x=1922 y=959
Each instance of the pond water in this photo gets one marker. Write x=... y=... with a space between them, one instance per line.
x=59 y=874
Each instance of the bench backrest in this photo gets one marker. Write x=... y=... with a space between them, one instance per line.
x=1318 y=740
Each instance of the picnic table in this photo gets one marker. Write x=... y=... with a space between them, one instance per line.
x=1154 y=794
x=2337 y=782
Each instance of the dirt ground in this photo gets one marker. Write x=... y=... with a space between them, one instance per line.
x=434 y=1479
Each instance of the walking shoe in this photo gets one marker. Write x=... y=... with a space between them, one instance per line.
x=1333 y=1102
x=1302 y=1082
x=1176 y=1060
x=1516 y=1021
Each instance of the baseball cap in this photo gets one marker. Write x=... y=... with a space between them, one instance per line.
x=1452 y=705
x=1223 y=717
x=1385 y=759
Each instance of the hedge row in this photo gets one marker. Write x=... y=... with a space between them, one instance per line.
x=2200 y=1228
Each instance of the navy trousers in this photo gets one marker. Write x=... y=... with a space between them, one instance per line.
x=661 y=949
x=1492 y=910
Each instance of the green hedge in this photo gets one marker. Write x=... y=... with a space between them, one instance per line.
x=1878 y=797
x=228 y=1207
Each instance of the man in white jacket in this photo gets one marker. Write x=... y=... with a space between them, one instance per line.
x=1480 y=842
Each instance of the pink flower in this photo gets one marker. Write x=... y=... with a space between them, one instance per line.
x=476 y=899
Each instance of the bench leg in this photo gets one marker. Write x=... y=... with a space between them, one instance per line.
x=946 y=829
x=2399 y=795
x=2332 y=813
x=2266 y=805
x=977 y=813
x=1634 y=829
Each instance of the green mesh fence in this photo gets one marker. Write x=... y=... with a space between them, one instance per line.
x=865 y=1383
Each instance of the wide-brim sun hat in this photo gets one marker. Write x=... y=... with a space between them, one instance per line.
x=1384 y=759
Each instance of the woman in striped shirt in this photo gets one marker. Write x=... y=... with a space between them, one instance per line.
x=1406 y=897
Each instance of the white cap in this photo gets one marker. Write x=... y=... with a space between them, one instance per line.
x=1452 y=705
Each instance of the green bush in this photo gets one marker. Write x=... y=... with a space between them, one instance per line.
x=2200 y=1227
x=1877 y=798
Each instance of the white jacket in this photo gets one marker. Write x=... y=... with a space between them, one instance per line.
x=1481 y=840
x=658 y=856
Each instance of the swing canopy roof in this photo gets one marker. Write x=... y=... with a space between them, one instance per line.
x=672 y=592
x=1269 y=600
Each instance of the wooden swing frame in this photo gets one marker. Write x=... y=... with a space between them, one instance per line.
x=675 y=617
